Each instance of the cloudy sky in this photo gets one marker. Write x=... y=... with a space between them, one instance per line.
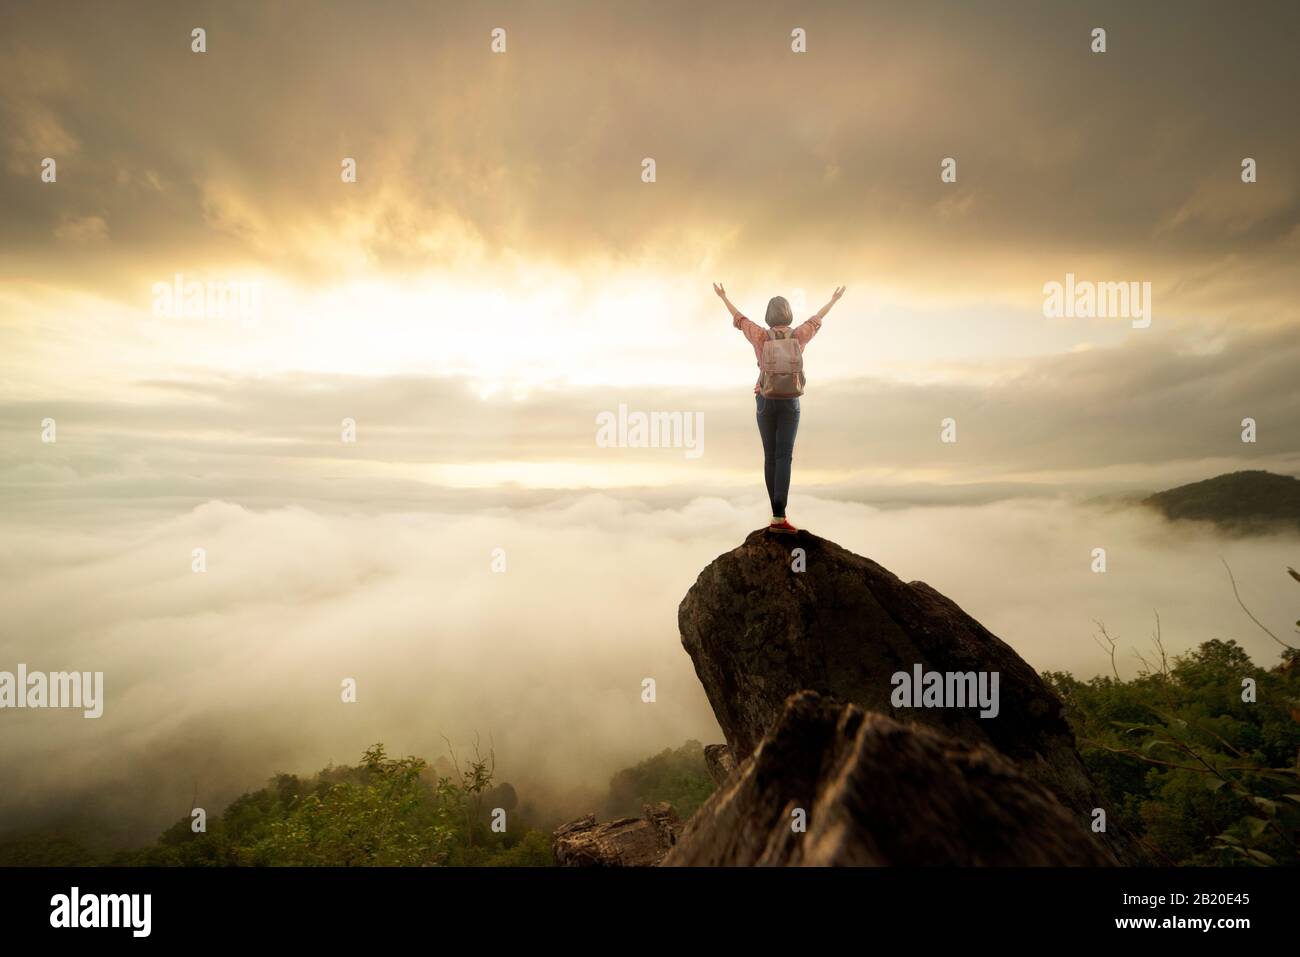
x=501 y=251
x=500 y=274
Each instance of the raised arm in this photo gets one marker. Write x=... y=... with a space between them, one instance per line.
x=748 y=328
x=809 y=327
x=835 y=297
x=722 y=294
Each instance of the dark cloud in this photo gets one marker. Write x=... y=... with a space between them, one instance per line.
x=823 y=162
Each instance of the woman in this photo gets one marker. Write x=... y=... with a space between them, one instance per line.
x=779 y=350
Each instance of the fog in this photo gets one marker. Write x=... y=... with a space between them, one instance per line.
x=216 y=681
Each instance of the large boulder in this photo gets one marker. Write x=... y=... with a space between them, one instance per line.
x=831 y=784
x=763 y=622
x=627 y=842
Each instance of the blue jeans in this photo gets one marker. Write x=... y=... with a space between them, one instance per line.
x=778 y=422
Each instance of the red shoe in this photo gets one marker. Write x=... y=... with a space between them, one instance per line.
x=782 y=526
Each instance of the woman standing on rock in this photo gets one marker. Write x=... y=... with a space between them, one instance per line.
x=779 y=350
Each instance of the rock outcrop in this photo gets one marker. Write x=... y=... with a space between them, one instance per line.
x=627 y=842
x=719 y=762
x=871 y=791
x=759 y=631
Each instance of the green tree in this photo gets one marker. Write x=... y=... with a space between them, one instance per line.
x=679 y=777
x=1203 y=776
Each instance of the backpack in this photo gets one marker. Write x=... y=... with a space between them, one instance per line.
x=782 y=366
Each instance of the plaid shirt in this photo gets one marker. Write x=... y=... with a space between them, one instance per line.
x=757 y=335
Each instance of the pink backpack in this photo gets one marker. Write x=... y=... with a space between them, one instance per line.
x=782 y=366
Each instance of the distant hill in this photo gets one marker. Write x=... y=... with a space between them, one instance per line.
x=1249 y=501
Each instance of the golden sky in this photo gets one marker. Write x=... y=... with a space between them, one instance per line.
x=500 y=249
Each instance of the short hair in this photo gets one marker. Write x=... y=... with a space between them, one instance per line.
x=778 y=311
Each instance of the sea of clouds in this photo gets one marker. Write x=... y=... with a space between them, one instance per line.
x=216 y=681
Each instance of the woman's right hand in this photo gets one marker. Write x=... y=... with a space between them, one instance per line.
x=722 y=293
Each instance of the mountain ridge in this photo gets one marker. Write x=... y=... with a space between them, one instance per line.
x=1247 y=501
